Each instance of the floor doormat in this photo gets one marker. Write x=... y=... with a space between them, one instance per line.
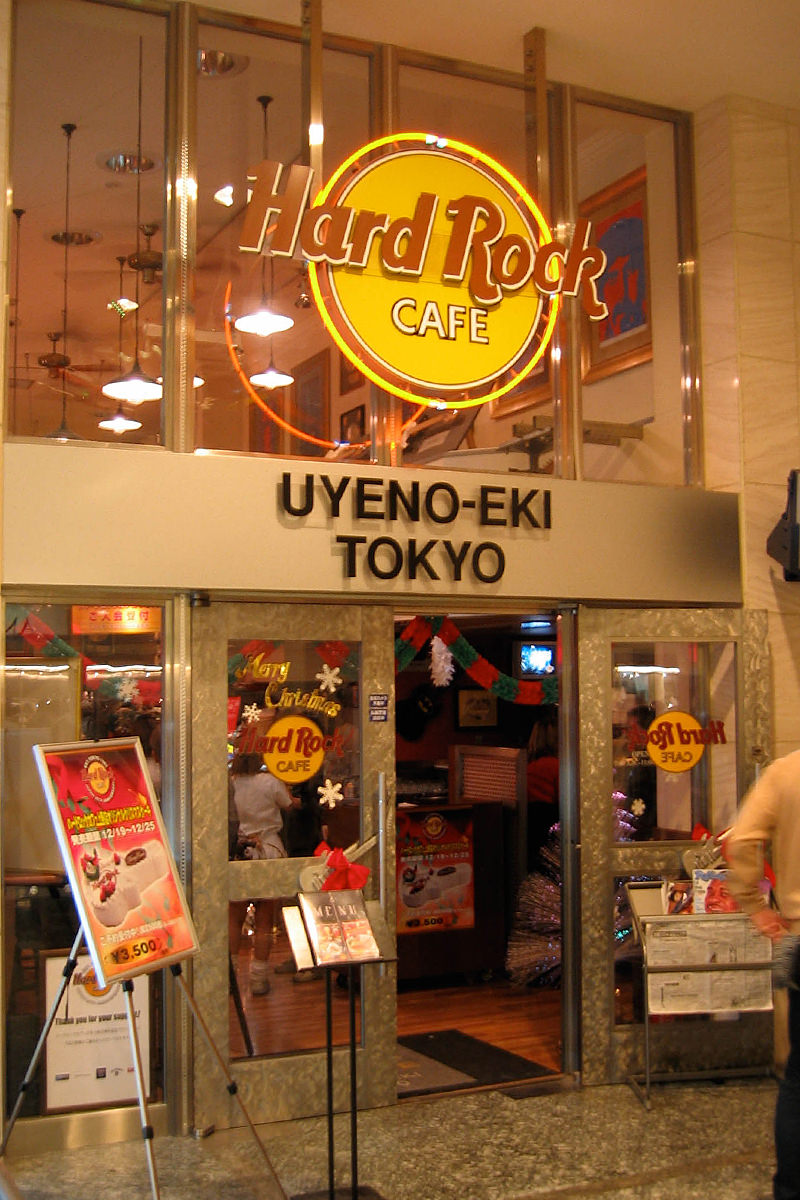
x=417 y=1075
x=480 y=1061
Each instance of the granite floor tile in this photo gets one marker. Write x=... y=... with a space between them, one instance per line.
x=696 y=1140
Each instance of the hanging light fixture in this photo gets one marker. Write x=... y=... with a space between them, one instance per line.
x=64 y=433
x=120 y=422
x=136 y=386
x=264 y=321
x=271 y=378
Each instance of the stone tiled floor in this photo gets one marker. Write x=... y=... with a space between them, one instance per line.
x=697 y=1140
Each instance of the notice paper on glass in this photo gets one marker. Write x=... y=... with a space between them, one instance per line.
x=117 y=857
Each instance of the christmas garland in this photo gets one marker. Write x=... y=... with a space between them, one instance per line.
x=516 y=691
x=407 y=646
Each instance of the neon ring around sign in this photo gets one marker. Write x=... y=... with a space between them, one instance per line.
x=410 y=319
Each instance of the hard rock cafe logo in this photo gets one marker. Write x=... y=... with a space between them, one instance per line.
x=434 y=826
x=294 y=748
x=88 y=981
x=98 y=778
x=433 y=269
x=676 y=740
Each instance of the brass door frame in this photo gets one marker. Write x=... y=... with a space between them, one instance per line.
x=284 y=1087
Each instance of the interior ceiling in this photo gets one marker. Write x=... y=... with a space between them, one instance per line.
x=680 y=53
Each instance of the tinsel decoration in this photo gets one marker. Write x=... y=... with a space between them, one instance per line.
x=442 y=666
x=533 y=954
x=516 y=691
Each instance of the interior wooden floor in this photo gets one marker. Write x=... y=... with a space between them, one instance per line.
x=291 y=1017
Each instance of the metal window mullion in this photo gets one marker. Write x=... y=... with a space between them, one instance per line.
x=181 y=229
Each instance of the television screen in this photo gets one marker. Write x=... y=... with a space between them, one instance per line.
x=535 y=660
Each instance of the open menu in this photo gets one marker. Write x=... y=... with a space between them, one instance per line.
x=338 y=927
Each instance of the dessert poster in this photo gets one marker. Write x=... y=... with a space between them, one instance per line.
x=116 y=854
x=435 y=871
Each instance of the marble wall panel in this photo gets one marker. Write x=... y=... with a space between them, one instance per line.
x=770 y=419
x=718 y=299
x=760 y=173
x=713 y=172
x=763 y=584
x=721 y=426
x=765 y=297
x=794 y=172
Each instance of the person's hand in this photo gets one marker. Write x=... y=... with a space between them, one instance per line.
x=770 y=923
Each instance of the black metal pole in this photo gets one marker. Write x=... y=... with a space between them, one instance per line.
x=329 y=1064
x=351 y=996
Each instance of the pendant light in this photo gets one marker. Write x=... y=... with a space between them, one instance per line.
x=64 y=433
x=120 y=423
x=264 y=321
x=136 y=386
x=271 y=378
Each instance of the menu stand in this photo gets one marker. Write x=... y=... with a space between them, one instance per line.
x=304 y=961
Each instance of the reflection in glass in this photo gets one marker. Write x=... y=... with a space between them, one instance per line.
x=71 y=672
x=674 y=739
x=59 y=362
x=294 y=782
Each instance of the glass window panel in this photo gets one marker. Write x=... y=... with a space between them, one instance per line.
x=491 y=117
x=674 y=731
x=72 y=672
x=631 y=362
x=294 y=781
x=69 y=334
x=254 y=111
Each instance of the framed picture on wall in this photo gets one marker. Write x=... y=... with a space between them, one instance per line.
x=624 y=338
x=353 y=424
x=476 y=709
x=309 y=407
x=350 y=377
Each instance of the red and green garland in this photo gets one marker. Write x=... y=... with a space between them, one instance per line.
x=516 y=691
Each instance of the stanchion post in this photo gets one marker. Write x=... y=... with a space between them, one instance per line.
x=147 y=1128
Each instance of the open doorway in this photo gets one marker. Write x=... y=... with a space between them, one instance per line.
x=478 y=851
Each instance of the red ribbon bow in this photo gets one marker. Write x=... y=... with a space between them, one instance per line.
x=344 y=874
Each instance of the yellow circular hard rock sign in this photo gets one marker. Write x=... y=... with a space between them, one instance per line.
x=427 y=269
x=432 y=267
x=295 y=748
x=676 y=741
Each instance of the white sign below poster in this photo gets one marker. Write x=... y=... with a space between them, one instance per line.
x=88 y=1050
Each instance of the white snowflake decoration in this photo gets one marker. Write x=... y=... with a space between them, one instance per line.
x=251 y=713
x=329 y=678
x=638 y=807
x=330 y=794
x=128 y=690
x=442 y=665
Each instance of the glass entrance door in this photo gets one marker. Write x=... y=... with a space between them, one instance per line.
x=667 y=748
x=292 y=746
